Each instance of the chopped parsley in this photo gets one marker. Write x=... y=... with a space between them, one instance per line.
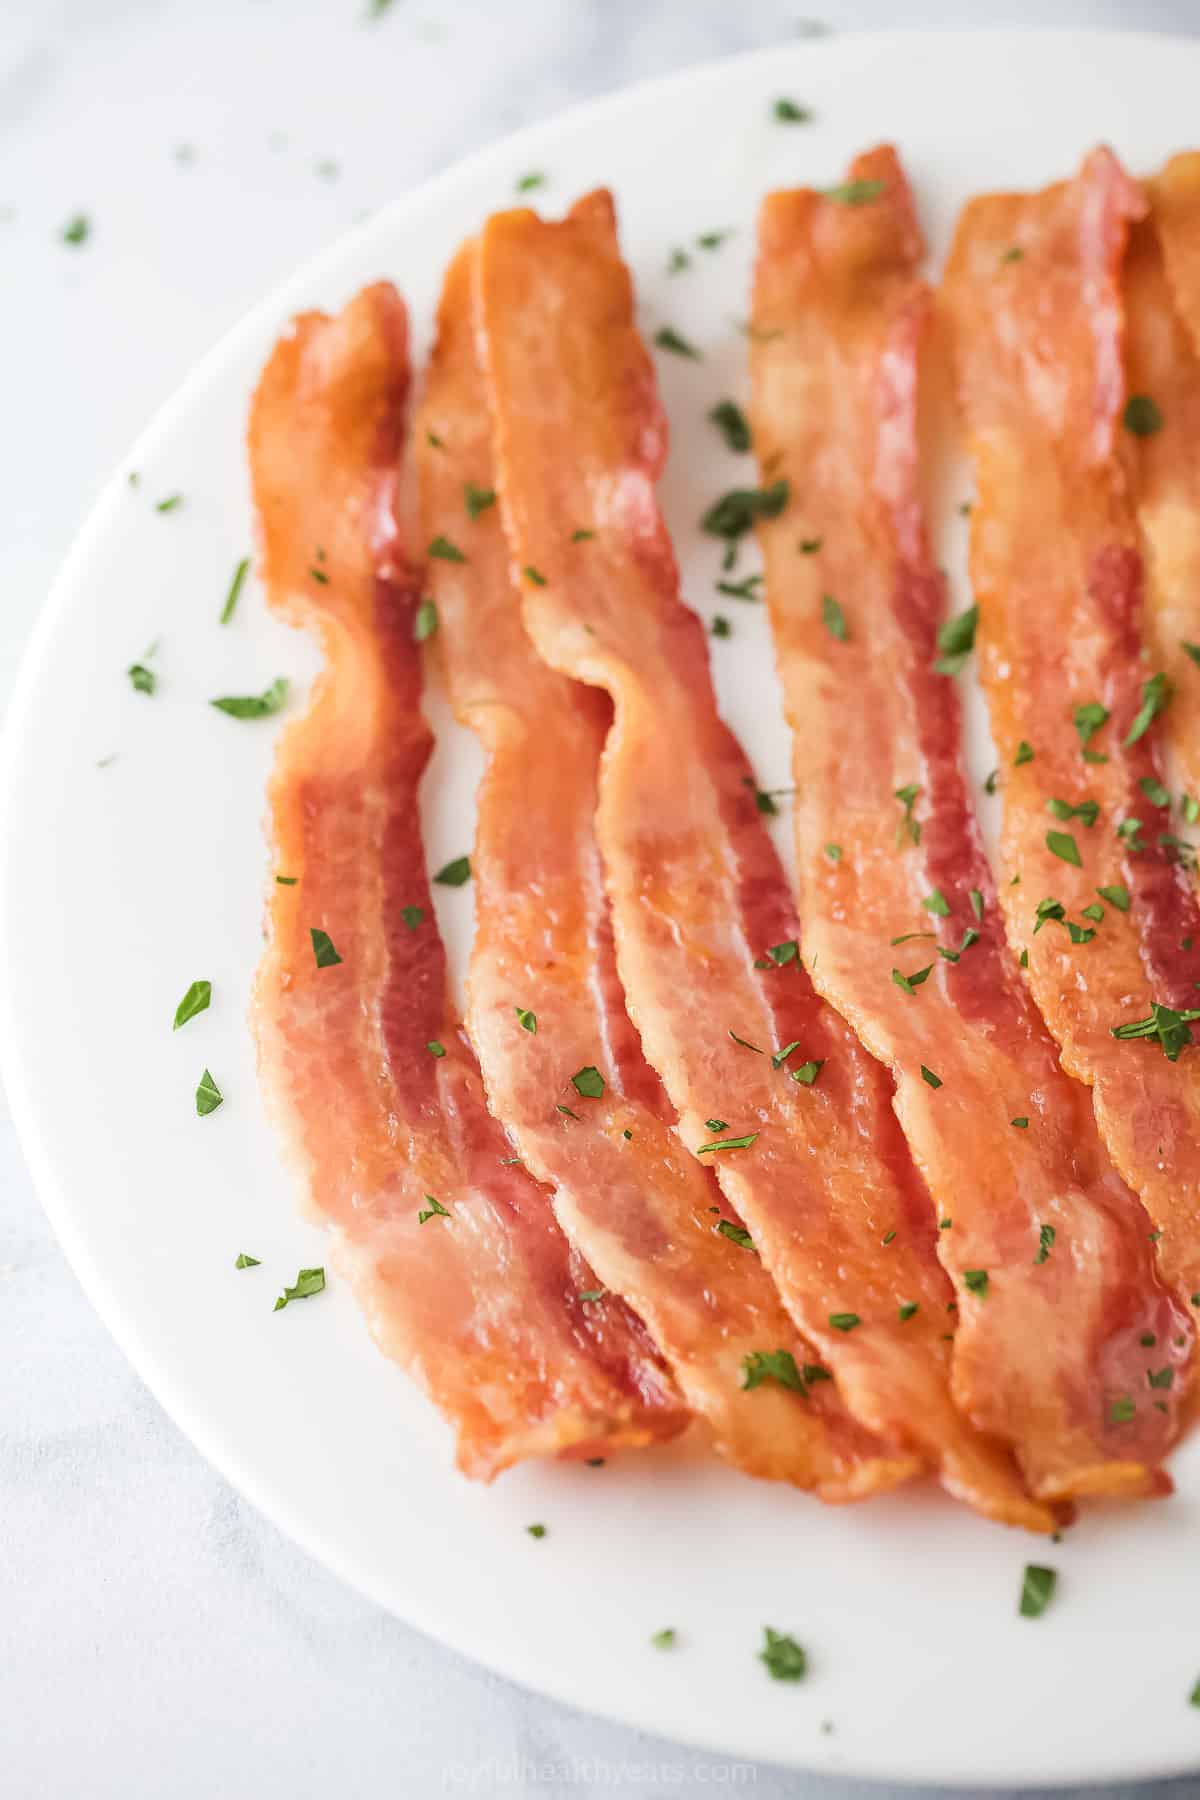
x=412 y=916
x=208 y=1096
x=833 y=618
x=745 y=1043
x=1156 y=694
x=1087 y=810
x=669 y=339
x=1094 y=911
x=536 y=1531
x=435 y=1210
x=956 y=640
x=581 y=535
x=1089 y=719
x=787 y=112
x=736 y=1234
x=477 y=499
x=810 y=546
x=1141 y=416
x=533 y=576
x=910 y=983
x=678 y=261
x=1021 y=1123
x=527 y=183
x=1037 y=1590
x=435 y=1048
x=721 y=628
x=425 y=621
x=287 y=880
x=844 y=1321
x=592 y=1296
x=588 y=1082
x=665 y=1639
x=308 y=1282
x=455 y=873
x=772 y=1365
x=908 y=826
x=834 y=852
x=77 y=230
x=526 y=1019
x=807 y=1073
x=247 y=1262
x=254 y=706
x=927 y=1075
x=1192 y=650
x=444 y=551
x=737 y=1143
x=784 y=953
x=976 y=1281
x=1160 y=1378
x=1062 y=844
x=1024 y=754
x=196 y=1000
x=936 y=902
x=1121 y=1411
x=142 y=679
x=323 y=948
x=976 y=898
x=1013 y=254
x=170 y=504
x=235 y=588
x=908 y=1310
x=777 y=1060
x=746 y=589
x=730 y=421
x=734 y=513
x=1154 y=791
x=716 y=1125
x=1170 y=1027
x=783 y=1657
x=853 y=193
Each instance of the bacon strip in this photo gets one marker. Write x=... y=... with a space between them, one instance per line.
x=484 y=1306
x=697 y=891
x=1032 y=294
x=627 y=1193
x=840 y=313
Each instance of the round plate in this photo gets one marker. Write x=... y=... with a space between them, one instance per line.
x=135 y=863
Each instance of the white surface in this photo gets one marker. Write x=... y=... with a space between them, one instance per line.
x=156 y=1635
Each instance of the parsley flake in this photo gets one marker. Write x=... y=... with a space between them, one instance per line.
x=254 y=706
x=1141 y=416
x=844 y=1321
x=477 y=499
x=745 y=1043
x=734 y=513
x=435 y=1048
x=536 y=1531
x=669 y=339
x=665 y=1639
x=444 y=551
x=910 y=983
x=731 y=422
x=1172 y=1028
x=323 y=948
x=1156 y=694
x=834 y=619
x=235 y=588
x=787 y=112
x=834 y=852
x=908 y=1310
x=308 y=1282
x=435 y=1210
x=196 y=1000
x=455 y=873
x=77 y=230
x=425 y=621
x=738 y=1143
x=853 y=193
x=936 y=902
x=1062 y=844
x=807 y=1073
x=1024 y=754
x=772 y=1365
x=956 y=640
x=721 y=628
x=927 y=1075
x=1037 y=1590
x=526 y=1019
x=783 y=1656
x=588 y=1082
x=142 y=679
x=247 y=1262
x=976 y=1281
x=527 y=183
x=736 y=1234
x=208 y=1096
x=1089 y=719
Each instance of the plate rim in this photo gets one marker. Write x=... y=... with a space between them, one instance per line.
x=270 y=309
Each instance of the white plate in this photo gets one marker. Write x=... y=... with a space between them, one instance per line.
x=123 y=883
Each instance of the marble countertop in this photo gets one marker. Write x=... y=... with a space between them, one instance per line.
x=157 y=1637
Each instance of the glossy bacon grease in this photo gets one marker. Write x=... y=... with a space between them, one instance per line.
x=1103 y=909
x=545 y=1002
x=837 y=1211
x=484 y=1306
x=1047 y=1249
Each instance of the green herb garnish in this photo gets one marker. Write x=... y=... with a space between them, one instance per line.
x=477 y=499
x=935 y=1081
x=669 y=339
x=588 y=1082
x=735 y=1234
x=738 y=1143
x=455 y=873
x=1141 y=416
x=956 y=640
x=1172 y=1028
x=1062 y=844
x=235 y=588
x=1156 y=694
x=1037 y=1590
x=247 y=1262
x=734 y=513
x=787 y=112
x=853 y=193
x=445 y=551
x=308 y=1282
x=425 y=621
x=833 y=618
x=254 y=706
x=730 y=421
x=196 y=1000
x=526 y=1019
x=208 y=1096
x=434 y=1210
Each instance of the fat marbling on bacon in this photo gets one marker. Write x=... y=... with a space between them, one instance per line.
x=545 y=1002
x=485 y=1305
x=1047 y=1248
x=698 y=895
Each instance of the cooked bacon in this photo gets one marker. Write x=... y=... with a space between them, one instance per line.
x=627 y=1193
x=840 y=314
x=1161 y=280
x=697 y=892
x=1058 y=578
x=485 y=1306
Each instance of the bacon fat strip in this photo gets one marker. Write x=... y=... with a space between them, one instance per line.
x=545 y=1002
x=1033 y=299
x=1047 y=1248
x=484 y=1306
x=1161 y=290
x=697 y=890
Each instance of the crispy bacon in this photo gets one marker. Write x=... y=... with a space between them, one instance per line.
x=840 y=315
x=630 y=1197
x=1032 y=294
x=697 y=892
x=485 y=1306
